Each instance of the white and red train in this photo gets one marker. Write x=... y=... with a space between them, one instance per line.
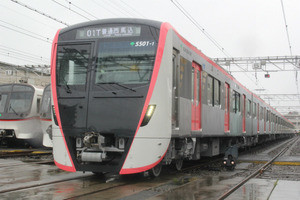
x=45 y=117
x=19 y=113
x=130 y=95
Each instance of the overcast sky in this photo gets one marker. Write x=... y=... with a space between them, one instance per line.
x=244 y=28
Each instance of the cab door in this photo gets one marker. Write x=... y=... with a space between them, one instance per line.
x=196 y=97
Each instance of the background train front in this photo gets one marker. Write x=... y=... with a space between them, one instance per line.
x=46 y=117
x=19 y=108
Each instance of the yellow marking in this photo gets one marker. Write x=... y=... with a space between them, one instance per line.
x=40 y=152
x=276 y=162
x=13 y=151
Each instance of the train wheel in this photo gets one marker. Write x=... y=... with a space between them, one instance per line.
x=155 y=171
x=178 y=164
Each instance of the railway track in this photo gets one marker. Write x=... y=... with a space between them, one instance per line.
x=258 y=171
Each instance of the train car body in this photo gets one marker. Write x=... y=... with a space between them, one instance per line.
x=19 y=112
x=45 y=117
x=130 y=95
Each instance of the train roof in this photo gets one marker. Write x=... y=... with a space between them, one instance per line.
x=148 y=22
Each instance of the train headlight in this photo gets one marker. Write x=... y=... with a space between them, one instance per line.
x=224 y=162
x=148 y=115
x=232 y=162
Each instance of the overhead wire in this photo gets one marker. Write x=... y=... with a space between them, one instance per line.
x=24 y=55
x=32 y=36
x=31 y=18
x=18 y=58
x=199 y=27
x=112 y=4
x=290 y=46
x=33 y=33
x=134 y=10
x=286 y=28
x=104 y=8
x=40 y=12
x=22 y=52
x=70 y=3
x=71 y=10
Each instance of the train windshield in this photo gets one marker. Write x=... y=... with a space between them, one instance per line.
x=16 y=99
x=20 y=102
x=46 y=102
x=72 y=64
x=125 y=62
x=3 y=99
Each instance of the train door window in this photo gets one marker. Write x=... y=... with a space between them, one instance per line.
x=249 y=108
x=193 y=84
x=258 y=115
x=3 y=98
x=254 y=110
x=175 y=93
x=244 y=113
x=237 y=102
x=216 y=95
x=265 y=117
x=209 y=90
x=227 y=106
x=199 y=87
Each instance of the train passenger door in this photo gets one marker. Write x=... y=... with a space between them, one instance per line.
x=196 y=96
x=227 y=106
x=175 y=92
x=244 y=113
x=258 y=117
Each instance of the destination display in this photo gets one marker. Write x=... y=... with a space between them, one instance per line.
x=108 y=32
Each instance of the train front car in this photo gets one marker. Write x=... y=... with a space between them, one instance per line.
x=45 y=117
x=107 y=96
x=19 y=104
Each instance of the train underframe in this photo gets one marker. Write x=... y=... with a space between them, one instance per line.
x=97 y=148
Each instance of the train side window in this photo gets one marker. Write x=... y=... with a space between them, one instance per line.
x=209 y=90
x=216 y=95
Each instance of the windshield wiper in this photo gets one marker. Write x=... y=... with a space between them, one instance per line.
x=13 y=110
x=119 y=84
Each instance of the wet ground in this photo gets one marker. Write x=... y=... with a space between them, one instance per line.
x=24 y=179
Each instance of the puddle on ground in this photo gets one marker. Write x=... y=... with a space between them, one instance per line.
x=212 y=187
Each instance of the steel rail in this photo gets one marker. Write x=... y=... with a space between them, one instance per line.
x=258 y=171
